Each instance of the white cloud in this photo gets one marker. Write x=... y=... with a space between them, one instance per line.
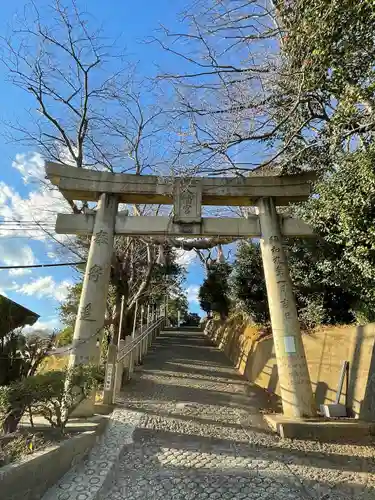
x=40 y=287
x=46 y=287
x=30 y=165
x=42 y=327
x=38 y=209
x=62 y=290
x=34 y=215
x=7 y=283
x=14 y=254
x=192 y=294
x=185 y=257
x=2 y=292
x=19 y=272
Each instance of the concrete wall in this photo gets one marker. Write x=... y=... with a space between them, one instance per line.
x=326 y=349
x=29 y=480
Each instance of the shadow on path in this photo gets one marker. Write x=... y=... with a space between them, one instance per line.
x=201 y=418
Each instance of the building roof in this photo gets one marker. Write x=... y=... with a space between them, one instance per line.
x=13 y=315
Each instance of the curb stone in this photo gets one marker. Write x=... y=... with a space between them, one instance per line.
x=92 y=478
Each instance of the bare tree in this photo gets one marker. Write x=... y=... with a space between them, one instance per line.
x=224 y=94
x=89 y=109
x=92 y=111
x=251 y=94
x=54 y=57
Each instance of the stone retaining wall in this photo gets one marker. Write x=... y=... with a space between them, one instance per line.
x=326 y=349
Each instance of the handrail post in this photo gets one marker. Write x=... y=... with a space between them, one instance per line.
x=166 y=314
x=146 y=327
x=132 y=358
x=127 y=362
x=142 y=345
x=120 y=365
x=149 y=338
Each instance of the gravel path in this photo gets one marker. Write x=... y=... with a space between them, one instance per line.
x=201 y=436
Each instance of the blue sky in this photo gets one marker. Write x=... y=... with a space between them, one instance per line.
x=21 y=196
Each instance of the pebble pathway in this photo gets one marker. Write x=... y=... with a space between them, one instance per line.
x=201 y=436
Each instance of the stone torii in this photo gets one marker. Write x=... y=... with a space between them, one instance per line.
x=187 y=195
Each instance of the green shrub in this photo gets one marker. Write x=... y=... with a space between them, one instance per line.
x=60 y=392
x=54 y=395
x=4 y=402
x=14 y=400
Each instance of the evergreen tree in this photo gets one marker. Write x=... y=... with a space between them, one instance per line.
x=214 y=292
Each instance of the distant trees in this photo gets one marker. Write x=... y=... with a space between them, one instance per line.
x=191 y=319
x=214 y=292
x=177 y=303
x=247 y=285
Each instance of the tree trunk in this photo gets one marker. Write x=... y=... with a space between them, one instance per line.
x=223 y=315
x=12 y=420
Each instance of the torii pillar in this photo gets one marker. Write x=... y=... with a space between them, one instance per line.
x=294 y=378
x=88 y=330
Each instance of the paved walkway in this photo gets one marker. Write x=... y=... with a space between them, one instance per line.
x=200 y=435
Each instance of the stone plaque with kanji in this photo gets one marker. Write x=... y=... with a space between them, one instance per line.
x=187 y=201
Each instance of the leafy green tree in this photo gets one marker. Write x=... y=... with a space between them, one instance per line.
x=333 y=42
x=192 y=319
x=69 y=308
x=176 y=304
x=247 y=283
x=65 y=336
x=321 y=298
x=214 y=292
x=342 y=213
x=324 y=294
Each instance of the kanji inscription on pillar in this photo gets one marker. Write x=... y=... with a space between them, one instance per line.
x=276 y=259
x=295 y=369
x=101 y=238
x=86 y=313
x=284 y=303
x=95 y=273
x=280 y=272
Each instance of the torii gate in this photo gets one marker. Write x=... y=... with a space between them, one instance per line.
x=187 y=196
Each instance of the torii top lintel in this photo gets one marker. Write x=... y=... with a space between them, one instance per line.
x=88 y=185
